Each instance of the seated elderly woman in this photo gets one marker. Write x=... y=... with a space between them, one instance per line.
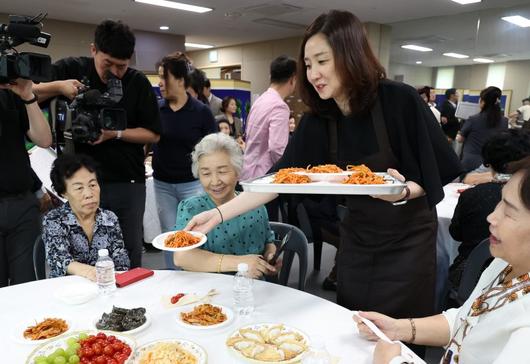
x=247 y=238
x=493 y=325
x=74 y=232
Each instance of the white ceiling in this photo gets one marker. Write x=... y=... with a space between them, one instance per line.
x=445 y=19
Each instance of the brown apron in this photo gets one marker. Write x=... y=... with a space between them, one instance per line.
x=387 y=255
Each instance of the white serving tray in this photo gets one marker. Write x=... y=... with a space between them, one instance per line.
x=264 y=184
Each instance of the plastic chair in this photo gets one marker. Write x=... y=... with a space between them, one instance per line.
x=297 y=244
x=478 y=260
x=39 y=258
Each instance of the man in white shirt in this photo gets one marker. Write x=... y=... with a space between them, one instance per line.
x=521 y=115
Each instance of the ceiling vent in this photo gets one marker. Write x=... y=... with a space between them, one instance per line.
x=279 y=23
x=497 y=55
x=270 y=9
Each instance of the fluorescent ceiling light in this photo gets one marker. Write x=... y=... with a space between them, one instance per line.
x=419 y=62
x=465 y=2
x=517 y=20
x=164 y=27
x=197 y=45
x=413 y=47
x=176 y=5
x=455 y=55
x=483 y=60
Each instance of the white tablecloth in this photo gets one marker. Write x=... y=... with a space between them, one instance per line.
x=274 y=303
x=446 y=246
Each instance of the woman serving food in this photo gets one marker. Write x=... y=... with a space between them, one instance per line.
x=387 y=255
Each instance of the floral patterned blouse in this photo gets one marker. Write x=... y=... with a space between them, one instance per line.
x=66 y=242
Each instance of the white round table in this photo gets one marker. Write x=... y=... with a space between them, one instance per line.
x=274 y=304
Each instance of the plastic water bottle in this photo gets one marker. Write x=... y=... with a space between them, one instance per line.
x=318 y=354
x=243 y=296
x=105 y=273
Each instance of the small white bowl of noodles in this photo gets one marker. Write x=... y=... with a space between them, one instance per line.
x=174 y=351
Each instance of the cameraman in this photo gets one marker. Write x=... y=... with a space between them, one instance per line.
x=20 y=116
x=119 y=153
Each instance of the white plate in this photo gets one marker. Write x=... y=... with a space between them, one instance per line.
x=140 y=328
x=18 y=332
x=189 y=346
x=327 y=177
x=158 y=242
x=227 y=311
x=258 y=327
x=264 y=184
x=77 y=293
x=60 y=342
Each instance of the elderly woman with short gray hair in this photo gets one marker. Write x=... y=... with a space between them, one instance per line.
x=217 y=161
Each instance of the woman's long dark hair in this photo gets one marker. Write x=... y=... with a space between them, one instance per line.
x=355 y=63
x=491 y=97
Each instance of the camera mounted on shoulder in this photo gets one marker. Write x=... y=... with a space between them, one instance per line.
x=27 y=65
x=92 y=111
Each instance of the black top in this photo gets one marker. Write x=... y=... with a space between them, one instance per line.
x=120 y=161
x=452 y=126
x=422 y=151
x=469 y=224
x=181 y=130
x=477 y=132
x=15 y=175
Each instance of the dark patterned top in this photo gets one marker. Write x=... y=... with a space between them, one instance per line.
x=66 y=242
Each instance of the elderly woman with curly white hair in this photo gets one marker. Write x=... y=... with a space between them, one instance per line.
x=217 y=161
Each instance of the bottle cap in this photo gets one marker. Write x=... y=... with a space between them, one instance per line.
x=242 y=267
x=103 y=252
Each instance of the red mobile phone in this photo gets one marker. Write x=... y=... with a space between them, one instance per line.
x=133 y=275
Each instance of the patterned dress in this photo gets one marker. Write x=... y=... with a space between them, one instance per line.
x=66 y=242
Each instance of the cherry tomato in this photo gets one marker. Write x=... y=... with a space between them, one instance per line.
x=111 y=338
x=98 y=348
x=176 y=298
x=101 y=335
x=112 y=361
x=100 y=360
x=117 y=346
x=127 y=350
x=108 y=350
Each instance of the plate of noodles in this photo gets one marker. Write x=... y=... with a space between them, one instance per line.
x=170 y=351
x=181 y=240
x=327 y=179
x=38 y=330
x=204 y=317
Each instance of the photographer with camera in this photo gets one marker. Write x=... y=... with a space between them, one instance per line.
x=119 y=152
x=20 y=116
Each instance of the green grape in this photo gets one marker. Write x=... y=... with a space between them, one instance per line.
x=70 y=341
x=59 y=360
x=76 y=346
x=60 y=352
x=41 y=360
x=74 y=359
x=51 y=358
x=83 y=335
x=70 y=351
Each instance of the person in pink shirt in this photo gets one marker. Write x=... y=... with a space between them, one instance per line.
x=267 y=130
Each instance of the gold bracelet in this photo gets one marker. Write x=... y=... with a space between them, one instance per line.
x=219 y=263
x=413 y=327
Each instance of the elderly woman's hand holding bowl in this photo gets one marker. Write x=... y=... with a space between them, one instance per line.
x=247 y=238
x=74 y=232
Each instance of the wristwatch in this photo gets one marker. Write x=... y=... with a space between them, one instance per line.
x=404 y=199
x=118 y=134
x=30 y=101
